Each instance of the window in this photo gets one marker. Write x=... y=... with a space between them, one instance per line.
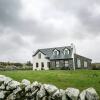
x=57 y=63
x=55 y=52
x=37 y=65
x=48 y=64
x=85 y=64
x=42 y=64
x=78 y=63
x=39 y=55
x=66 y=52
x=66 y=64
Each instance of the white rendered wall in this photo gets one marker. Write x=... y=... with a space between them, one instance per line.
x=39 y=61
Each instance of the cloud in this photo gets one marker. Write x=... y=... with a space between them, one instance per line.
x=9 y=10
x=30 y=24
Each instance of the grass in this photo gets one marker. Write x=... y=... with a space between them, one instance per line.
x=80 y=79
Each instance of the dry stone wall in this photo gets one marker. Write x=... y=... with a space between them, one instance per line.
x=13 y=90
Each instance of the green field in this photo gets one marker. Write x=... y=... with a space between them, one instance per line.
x=80 y=79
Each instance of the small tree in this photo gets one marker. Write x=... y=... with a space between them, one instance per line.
x=29 y=63
x=18 y=64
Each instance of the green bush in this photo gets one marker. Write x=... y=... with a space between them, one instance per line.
x=95 y=66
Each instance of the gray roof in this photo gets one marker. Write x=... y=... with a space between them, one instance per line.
x=49 y=52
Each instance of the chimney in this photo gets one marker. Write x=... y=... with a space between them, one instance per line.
x=73 y=47
x=73 y=52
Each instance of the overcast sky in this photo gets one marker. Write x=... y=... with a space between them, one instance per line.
x=26 y=25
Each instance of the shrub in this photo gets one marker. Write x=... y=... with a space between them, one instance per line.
x=95 y=66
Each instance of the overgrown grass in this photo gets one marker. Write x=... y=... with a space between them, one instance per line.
x=80 y=79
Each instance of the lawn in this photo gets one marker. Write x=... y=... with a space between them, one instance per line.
x=80 y=79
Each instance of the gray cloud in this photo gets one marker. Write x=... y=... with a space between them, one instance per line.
x=85 y=11
x=9 y=10
x=55 y=20
x=9 y=17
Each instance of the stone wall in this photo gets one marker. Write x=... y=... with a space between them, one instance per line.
x=13 y=90
x=82 y=59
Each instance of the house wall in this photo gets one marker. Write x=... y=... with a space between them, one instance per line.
x=61 y=64
x=39 y=61
x=82 y=60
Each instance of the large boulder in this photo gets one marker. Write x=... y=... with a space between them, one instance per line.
x=26 y=82
x=12 y=85
x=28 y=88
x=12 y=96
x=2 y=87
x=7 y=80
x=35 y=85
x=17 y=90
x=82 y=95
x=50 y=88
x=2 y=95
x=31 y=90
x=59 y=95
x=89 y=94
x=41 y=93
x=72 y=93
x=4 y=80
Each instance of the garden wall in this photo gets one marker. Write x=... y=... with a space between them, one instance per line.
x=13 y=90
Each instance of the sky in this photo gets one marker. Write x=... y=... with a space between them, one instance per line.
x=28 y=25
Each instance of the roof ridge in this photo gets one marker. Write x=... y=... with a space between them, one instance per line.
x=54 y=47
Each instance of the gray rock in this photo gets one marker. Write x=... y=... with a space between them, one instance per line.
x=35 y=85
x=72 y=93
x=1 y=79
x=59 y=95
x=17 y=90
x=12 y=85
x=2 y=94
x=2 y=87
x=4 y=80
x=82 y=95
x=7 y=80
x=28 y=88
x=50 y=88
x=41 y=93
x=12 y=96
x=26 y=82
x=89 y=94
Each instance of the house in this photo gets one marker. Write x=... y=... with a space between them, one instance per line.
x=59 y=58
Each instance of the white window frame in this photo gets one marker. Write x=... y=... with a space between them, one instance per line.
x=55 y=51
x=57 y=63
x=78 y=63
x=85 y=64
x=66 y=50
x=66 y=63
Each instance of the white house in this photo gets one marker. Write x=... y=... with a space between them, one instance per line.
x=59 y=58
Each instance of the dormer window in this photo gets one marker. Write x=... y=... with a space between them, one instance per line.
x=39 y=55
x=66 y=51
x=55 y=52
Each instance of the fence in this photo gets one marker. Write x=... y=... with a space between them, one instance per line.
x=14 y=90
